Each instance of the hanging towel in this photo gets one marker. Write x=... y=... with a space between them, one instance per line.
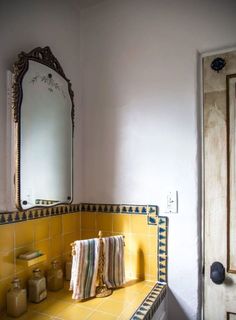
x=114 y=269
x=84 y=268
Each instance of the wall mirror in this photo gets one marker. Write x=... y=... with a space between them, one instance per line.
x=43 y=110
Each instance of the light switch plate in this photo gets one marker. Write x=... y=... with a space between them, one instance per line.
x=172 y=202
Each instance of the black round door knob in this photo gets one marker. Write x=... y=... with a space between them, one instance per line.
x=217 y=272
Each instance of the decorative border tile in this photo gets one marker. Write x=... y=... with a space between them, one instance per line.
x=19 y=216
x=152 y=215
x=150 y=210
x=162 y=249
x=119 y=208
x=150 y=304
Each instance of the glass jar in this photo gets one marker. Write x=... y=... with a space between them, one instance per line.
x=16 y=299
x=37 y=287
x=55 y=277
x=68 y=268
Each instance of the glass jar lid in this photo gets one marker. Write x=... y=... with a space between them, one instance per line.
x=37 y=272
x=16 y=282
x=55 y=263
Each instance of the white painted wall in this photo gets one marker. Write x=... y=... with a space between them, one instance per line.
x=25 y=25
x=140 y=111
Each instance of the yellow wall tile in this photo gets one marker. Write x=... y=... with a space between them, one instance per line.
x=130 y=244
x=55 y=226
x=140 y=239
x=121 y=223
x=67 y=240
x=4 y=287
x=152 y=248
x=152 y=266
x=139 y=224
x=152 y=229
x=140 y=242
x=6 y=238
x=87 y=234
x=78 y=225
x=128 y=266
x=146 y=243
x=53 y=236
x=24 y=233
x=44 y=234
x=44 y=247
x=6 y=264
x=139 y=265
x=69 y=223
x=104 y=221
x=41 y=229
x=88 y=220
x=56 y=246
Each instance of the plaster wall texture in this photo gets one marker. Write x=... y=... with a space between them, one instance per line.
x=141 y=112
x=138 y=125
x=25 y=25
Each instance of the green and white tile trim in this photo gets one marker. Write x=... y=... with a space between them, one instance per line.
x=150 y=304
x=150 y=210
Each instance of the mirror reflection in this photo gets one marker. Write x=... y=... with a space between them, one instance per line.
x=45 y=127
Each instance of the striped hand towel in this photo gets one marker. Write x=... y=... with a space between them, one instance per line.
x=84 y=269
x=114 y=269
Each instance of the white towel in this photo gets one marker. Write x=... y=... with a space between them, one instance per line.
x=84 y=269
x=114 y=268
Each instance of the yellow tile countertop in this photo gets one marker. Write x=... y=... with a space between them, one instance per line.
x=121 y=305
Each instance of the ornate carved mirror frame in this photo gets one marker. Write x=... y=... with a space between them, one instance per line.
x=45 y=57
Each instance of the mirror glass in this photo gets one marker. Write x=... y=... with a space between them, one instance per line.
x=44 y=118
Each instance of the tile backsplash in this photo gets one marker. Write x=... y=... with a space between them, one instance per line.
x=52 y=230
x=140 y=240
x=51 y=236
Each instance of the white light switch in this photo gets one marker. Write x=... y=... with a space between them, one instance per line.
x=172 y=202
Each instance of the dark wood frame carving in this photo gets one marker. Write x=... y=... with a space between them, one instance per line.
x=20 y=67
